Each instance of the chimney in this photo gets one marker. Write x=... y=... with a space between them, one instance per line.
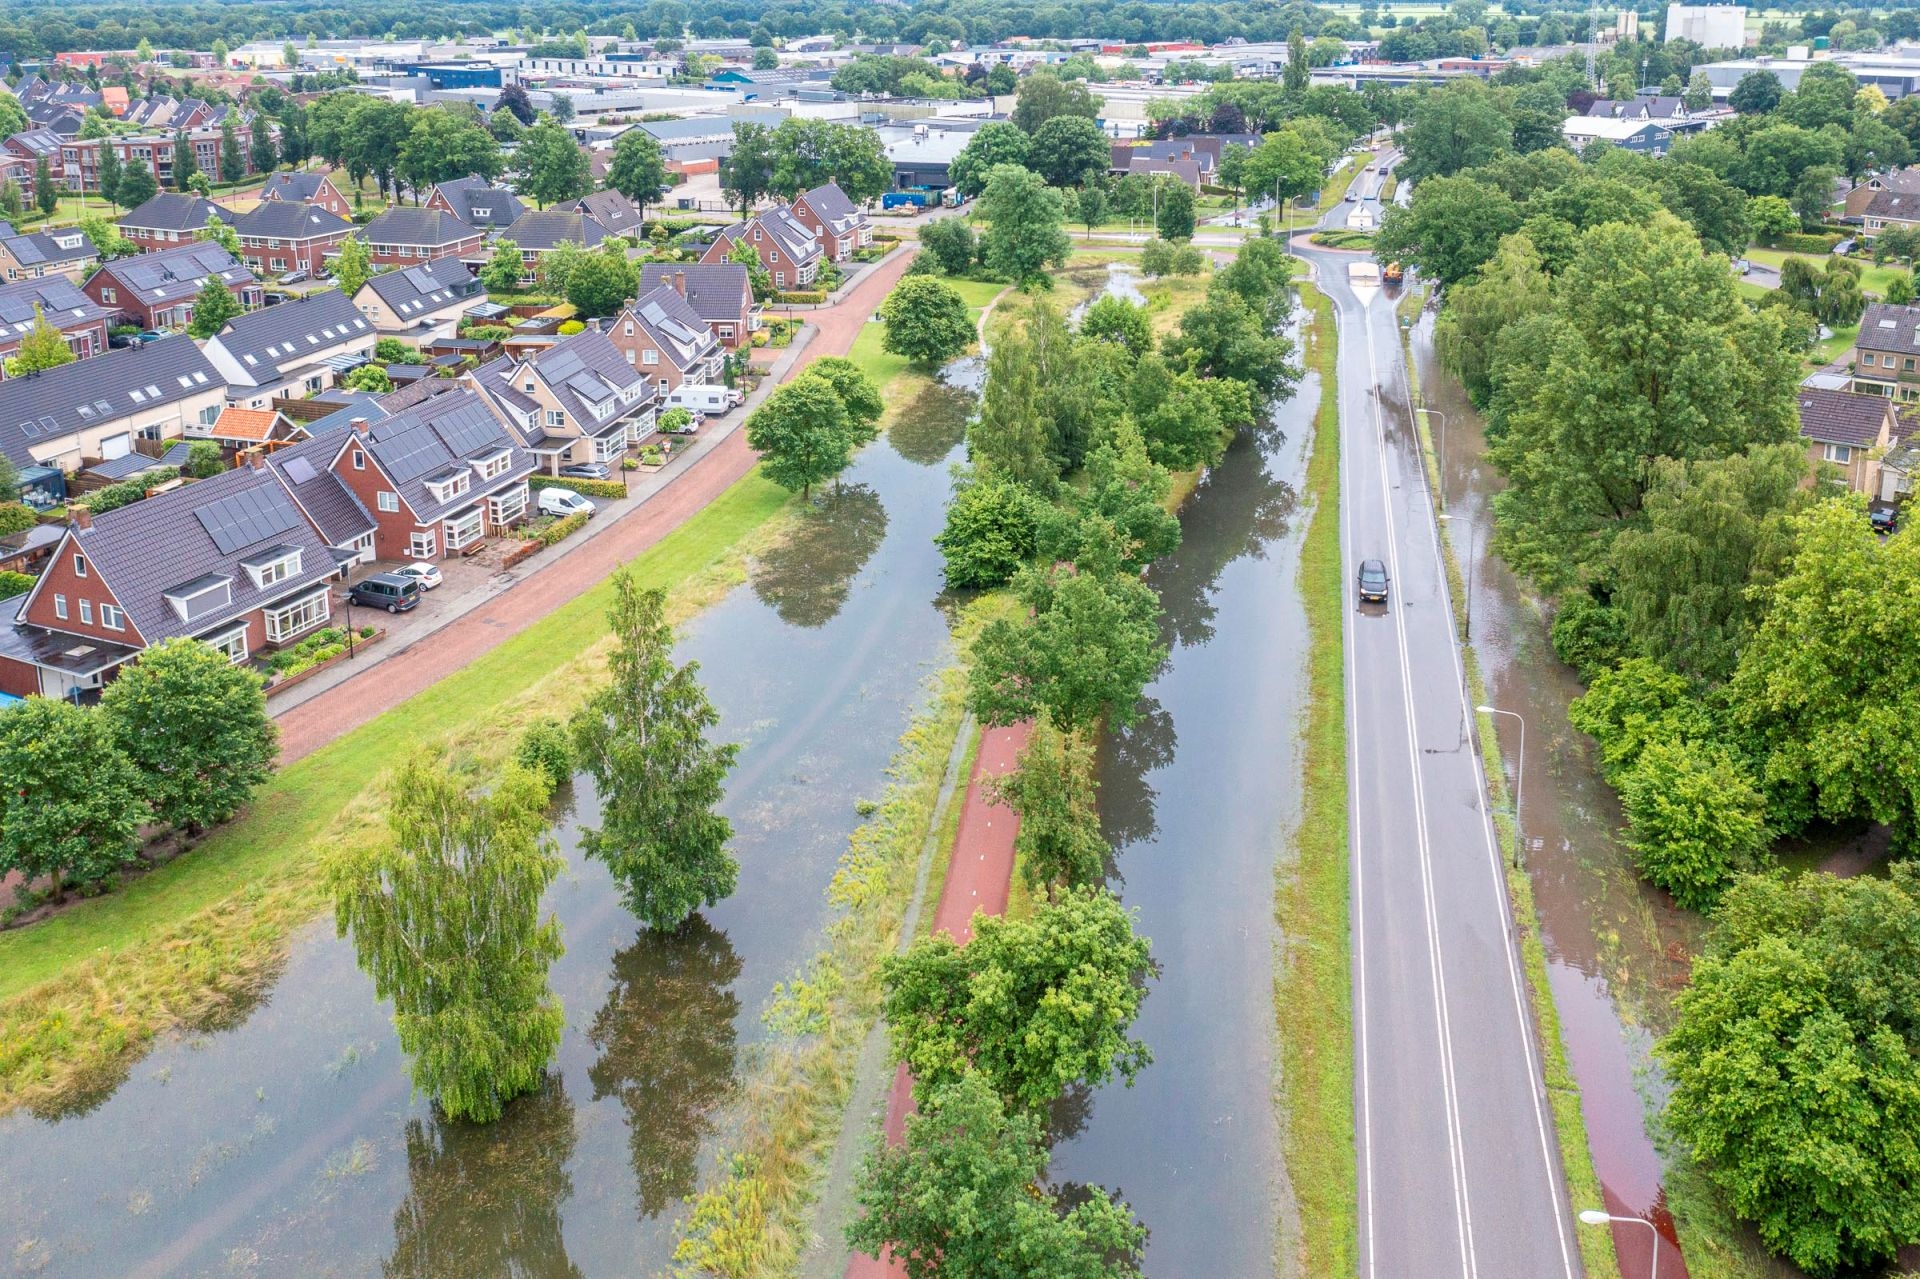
x=680 y=283
x=80 y=517
x=358 y=426
x=257 y=458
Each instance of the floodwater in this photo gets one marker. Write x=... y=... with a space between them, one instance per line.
x=1198 y=801
x=1617 y=949
x=287 y=1142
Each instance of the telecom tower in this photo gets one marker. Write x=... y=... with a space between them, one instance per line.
x=1593 y=44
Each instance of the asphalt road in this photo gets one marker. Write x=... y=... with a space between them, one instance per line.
x=1459 y=1171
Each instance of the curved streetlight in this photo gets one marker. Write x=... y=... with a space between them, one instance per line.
x=1519 y=784
x=1440 y=458
x=1594 y=1217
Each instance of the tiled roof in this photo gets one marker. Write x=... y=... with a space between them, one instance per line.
x=612 y=210
x=439 y=439
x=352 y=404
x=479 y=203
x=675 y=327
x=39 y=142
x=245 y=424
x=131 y=464
x=1841 y=417
x=541 y=230
x=423 y=291
x=58 y=402
x=583 y=372
x=280 y=220
x=173 y=274
x=429 y=227
x=832 y=204
x=293 y=188
x=1897 y=206
x=57 y=298
x=47 y=248
x=717 y=292
x=788 y=232
x=256 y=348
x=305 y=471
x=1884 y=327
x=172 y=211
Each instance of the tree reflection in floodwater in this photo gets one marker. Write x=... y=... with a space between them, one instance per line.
x=806 y=578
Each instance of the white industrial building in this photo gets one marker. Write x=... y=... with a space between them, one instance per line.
x=1712 y=26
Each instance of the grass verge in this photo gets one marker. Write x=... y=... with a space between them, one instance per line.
x=1312 y=987
x=752 y=1220
x=83 y=993
x=1563 y=1089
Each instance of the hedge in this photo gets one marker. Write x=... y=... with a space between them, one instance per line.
x=800 y=299
x=12 y=583
x=562 y=528
x=590 y=488
x=1801 y=242
x=126 y=492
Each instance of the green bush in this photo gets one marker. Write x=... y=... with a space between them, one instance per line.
x=989 y=532
x=801 y=299
x=308 y=653
x=1807 y=242
x=589 y=488
x=16 y=518
x=1589 y=636
x=546 y=748
x=559 y=529
x=1694 y=820
x=126 y=492
x=572 y=327
x=12 y=584
x=489 y=332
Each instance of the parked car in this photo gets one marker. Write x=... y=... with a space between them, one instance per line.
x=586 y=471
x=294 y=277
x=394 y=592
x=1845 y=246
x=428 y=575
x=564 y=502
x=1372 y=583
x=1885 y=519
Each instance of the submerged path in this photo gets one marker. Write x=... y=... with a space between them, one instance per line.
x=979 y=880
x=353 y=702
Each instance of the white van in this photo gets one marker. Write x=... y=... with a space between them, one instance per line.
x=705 y=398
x=564 y=502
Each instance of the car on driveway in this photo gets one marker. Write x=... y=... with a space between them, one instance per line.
x=564 y=502
x=586 y=471
x=1371 y=582
x=428 y=575
x=1885 y=519
x=390 y=591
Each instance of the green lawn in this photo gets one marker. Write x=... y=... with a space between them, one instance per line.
x=1873 y=279
x=1827 y=350
x=884 y=368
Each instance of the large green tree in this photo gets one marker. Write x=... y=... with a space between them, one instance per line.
x=993 y=143
x=1034 y=1005
x=1044 y=96
x=1060 y=845
x=961 y=1198
x=42 y=347
x=602 y=282
x=746 y=172
x=637 y=169
x=643 y=738
x=1453 y=226
x=441 y=145
x=196 y=728
x=927 y=321
x=989 y=531
x=1084 y=650
x=137 y=185
x=1070 y=149
x=551 y=165
x=445 y=917
x=802 y=433
x=70 y=808
x=1025 y=225
x=812 y=153
x=1508 y=289
x=1454 y=128
x=1009 y=437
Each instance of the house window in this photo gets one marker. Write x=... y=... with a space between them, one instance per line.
x=388 y=501
x=629 y=328
x=422 y=545
x=233 y=643
x=447 y=490
x=60 y=607
x=277 y=264
x=79 y=564
x=108 y=296
x=86 y=612
x=503 y=508
x=556 y=418
x=1906 y=365
x=303 y=614
x=463 y=529
x=494 y=466
x=1867 y=358
x=649 y=357
x=112 y=618
x=608 y=447
x=359 y=460
x=273 y=572
x=1840 y=453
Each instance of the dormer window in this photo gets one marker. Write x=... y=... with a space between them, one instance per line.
x=493 y=467
x=449 y=487
x=201 y=597
x=272 y=567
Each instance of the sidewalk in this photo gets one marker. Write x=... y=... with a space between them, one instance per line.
x=327 y=706
x=979 y=880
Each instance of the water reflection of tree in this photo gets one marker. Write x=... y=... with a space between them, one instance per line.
x=1126 y=759
x=927 y=430
x=806 y=579
x=485 y=1199
x=1239 y=512
x=666 y=1041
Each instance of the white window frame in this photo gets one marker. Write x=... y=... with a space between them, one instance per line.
x=274 y=572
x=112 y=617
x=503 y=508
x=231 y=642
x=298 y=616
x=465 y=530
x=422 y=544
x=608 y=447
x=388 y=501
x=60 y=607
x=1839 y=454
x=86 y=611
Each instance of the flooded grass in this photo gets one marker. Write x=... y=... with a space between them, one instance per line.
x=1312 y=988
x=182 y=948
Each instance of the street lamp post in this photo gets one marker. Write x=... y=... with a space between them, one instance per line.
x=1440 y=459
x=1594 y=1217
x=1473 y=561
x=1519 y=777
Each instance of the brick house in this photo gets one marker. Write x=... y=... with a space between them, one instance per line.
x=1888 y=210
x=158 y=290
x=421 y=303
x=101 y=408
x=316 y=189
x=573 y=402
x=408 y=237
x=1885 y=350
x=170 y=219
x=277 y=237
x=612 y=210
x=81 y=320
x=477 y=202
x=537 y=233
x=1848 y=431
x=436 y=478
x=661 y=335
x=290 y=350
x=721 y=295
x=228 y=560
x=839 y=226
x=786 y=247
x=37 y=254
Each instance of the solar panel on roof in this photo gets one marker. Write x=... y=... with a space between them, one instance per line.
x=247 y=518
x=412 y=453
x=300 y=471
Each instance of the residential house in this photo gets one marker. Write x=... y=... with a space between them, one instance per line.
x=536 y=234
x=421 y=303
x=171 y=218
x=721 y=295
x=1644 y=137
x=290 y=350
x=786 y=247
x=1849 y=431
x=1885 y=350
x=477 y=202
x=315 y=189
x=98 y=409
x=277 y=236
x=405 y=237
x=1904 y=181
x=229 y=560
x=437 y=478
x=615 y=213
x=158 y=290
x=305 y=470
x=573 y=402
x=81 y=321
x=1888 y=210
x=1179 y=158
x=245 y=430
x=33 y=145
x=662 y=336
x=840 y=227
x=62 y=251
x=79 y=166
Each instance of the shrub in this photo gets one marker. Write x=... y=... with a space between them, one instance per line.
x=572 y=327
x=801 y=299
x=12 y=584
x=547 y=749
x=989 y=532
x=1589 y=636
x=126 y=492
x=559 y=529
x=16 y=518
x=589 y=488
x=1694 y=820
x=675 y=418
x=1802 y=242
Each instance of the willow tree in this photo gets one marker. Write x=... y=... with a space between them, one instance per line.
x=643 y=737
x=445 y=917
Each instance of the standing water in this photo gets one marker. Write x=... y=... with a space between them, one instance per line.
x=1198 y=800
x=287 y=1142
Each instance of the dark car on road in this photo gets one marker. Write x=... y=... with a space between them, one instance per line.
x=1372 y=582
x=392 y=591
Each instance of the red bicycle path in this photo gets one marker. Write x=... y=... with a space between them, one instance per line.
x=346 y=706
x=979 y=879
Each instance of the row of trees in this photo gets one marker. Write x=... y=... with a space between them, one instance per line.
x=799 y=155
